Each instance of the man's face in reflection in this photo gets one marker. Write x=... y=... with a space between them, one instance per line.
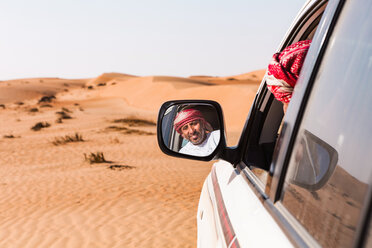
x=194 y=132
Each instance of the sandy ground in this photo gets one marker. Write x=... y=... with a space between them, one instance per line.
x=52 y=196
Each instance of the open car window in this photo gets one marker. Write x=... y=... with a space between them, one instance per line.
x=269 y=112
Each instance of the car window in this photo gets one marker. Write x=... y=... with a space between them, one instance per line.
x=330 y=169
x=270 y=111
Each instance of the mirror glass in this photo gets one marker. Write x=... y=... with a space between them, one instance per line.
x=192 y=129
x=315 y=161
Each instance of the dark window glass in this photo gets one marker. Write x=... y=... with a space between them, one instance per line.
x=368 y=241
x=330 y=167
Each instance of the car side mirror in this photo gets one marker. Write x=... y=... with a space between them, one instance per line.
x=315 y=161
x=191 y=129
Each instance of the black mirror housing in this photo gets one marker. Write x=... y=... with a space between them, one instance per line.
x=171 y=141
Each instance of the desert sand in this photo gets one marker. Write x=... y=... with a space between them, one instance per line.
x=53 y=194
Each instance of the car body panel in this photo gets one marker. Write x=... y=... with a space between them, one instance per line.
x=249 y=218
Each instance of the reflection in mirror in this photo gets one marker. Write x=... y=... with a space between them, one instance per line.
x=315 y=162
x=192 y=129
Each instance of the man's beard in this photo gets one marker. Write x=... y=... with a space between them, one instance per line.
x=199 y=139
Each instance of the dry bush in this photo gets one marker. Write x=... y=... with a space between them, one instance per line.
x=9 y=136
x=46 y=99
x=33 y=110
x=63 y=115
x=68 y=139
x=40 y=125
x=46 y=106
x=116 y=128
x=66 y=110
x=126 y=130
x=97 y=157
x=120 y=167
x=133 y=122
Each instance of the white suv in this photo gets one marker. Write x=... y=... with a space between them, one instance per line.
x=303 y=179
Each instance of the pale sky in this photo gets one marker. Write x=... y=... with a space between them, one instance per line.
x=85 y=38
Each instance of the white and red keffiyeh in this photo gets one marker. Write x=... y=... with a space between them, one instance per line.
x=189 y=115
x=284 y=69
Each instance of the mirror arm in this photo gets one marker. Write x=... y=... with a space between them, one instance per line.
x=230 y=154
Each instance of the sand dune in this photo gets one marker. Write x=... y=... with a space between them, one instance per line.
x=31 y=89
x=179 y=82
x=107 y=77
x=52 y=196
x=246 y=78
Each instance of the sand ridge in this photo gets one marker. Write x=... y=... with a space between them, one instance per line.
x=52 y=196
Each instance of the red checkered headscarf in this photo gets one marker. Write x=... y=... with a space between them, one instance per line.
x=188 y=115
x=284 y=69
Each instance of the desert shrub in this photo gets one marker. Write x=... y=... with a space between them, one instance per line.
x=63 y=115
x=120 y=167
x=126 y=130
x=101 y=84
x=97 y=157
x=46 y=99
x=66 y=110
x=68 y=139
x=33 y=110
x=133 y=122
x=40 y=125
x=2 y=106
x=116 y=128
x=46 y=106
x=9 y=136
